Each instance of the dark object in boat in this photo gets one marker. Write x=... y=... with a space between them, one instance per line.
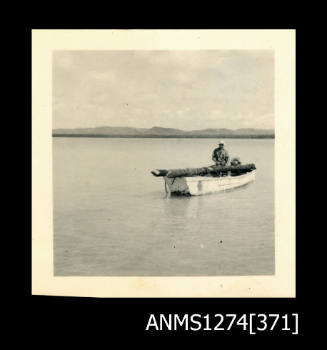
x=215 y=170
x=235 y=161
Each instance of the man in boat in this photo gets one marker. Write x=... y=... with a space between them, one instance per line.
x=220 y=155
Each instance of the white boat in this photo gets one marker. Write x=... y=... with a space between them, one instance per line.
x=199 y=185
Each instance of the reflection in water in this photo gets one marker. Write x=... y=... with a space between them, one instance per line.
x=182 y=206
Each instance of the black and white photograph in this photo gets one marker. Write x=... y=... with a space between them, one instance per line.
x=160 y=161
x=163 y=163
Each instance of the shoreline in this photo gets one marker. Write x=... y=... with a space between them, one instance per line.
x=168 y=136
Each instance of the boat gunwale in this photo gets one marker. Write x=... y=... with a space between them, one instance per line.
x=212 y=178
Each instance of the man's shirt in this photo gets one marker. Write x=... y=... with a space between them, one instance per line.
x=220 y=155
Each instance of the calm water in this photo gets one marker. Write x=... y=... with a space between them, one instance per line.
x=111 y=216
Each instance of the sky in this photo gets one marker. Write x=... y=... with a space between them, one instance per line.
x=187 y=90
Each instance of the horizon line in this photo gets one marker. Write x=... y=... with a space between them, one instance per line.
x=156 y=126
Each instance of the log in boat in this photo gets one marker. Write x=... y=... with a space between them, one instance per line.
x=205 y=180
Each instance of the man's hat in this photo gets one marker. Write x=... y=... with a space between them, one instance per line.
x=221 y=142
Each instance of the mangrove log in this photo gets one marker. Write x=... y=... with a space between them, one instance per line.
x=211 y=170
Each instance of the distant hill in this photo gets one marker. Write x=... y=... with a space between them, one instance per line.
x=156 y=131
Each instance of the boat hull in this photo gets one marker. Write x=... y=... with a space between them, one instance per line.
x=199 y=185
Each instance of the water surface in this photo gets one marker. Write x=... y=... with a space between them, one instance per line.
x=112 y=218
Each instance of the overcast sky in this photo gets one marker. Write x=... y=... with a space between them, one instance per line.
x=176 y=89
